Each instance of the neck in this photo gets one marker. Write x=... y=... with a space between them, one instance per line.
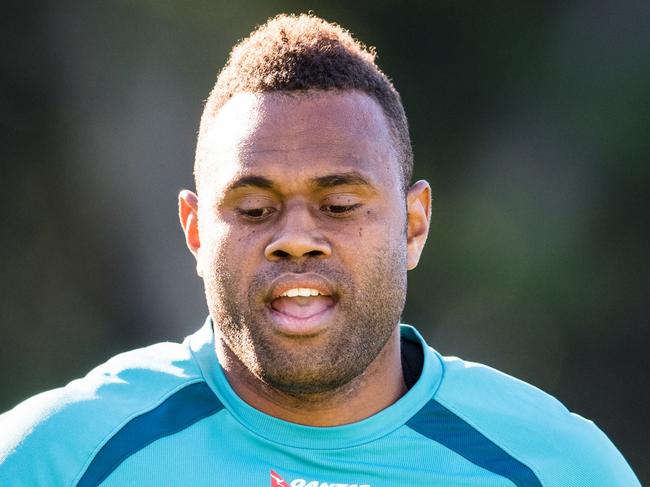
x=380 y=385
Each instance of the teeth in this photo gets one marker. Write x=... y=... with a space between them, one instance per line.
x=300 y=291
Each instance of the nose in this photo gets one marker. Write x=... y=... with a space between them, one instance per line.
x=297 y=236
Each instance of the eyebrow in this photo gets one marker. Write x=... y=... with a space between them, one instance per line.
x=252 y=181
x=351 y=178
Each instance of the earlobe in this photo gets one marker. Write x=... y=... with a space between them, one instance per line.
x=188 y=207
x=418 y=214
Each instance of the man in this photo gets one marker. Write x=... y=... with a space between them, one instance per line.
x=303 y=227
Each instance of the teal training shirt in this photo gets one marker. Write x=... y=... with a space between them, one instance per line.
x=165 y=415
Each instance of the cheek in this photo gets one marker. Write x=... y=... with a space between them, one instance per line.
x=231 y=249
x=372 y=250
x=215 y=238
x=377 y=229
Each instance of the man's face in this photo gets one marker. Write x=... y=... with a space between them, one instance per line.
x=302 y=235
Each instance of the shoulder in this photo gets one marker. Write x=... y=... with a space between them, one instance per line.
x=55 y=434
x=561 y=447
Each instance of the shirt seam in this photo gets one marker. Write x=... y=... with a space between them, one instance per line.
x=196 y=358
x=346 y=447
x=489 y=437
x=124 y=422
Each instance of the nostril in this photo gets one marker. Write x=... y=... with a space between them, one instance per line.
x=281 y=254
x=296 y=244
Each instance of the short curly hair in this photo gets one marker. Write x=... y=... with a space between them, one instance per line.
x=293 y=53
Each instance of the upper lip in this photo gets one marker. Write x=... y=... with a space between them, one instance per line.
x=290 y=281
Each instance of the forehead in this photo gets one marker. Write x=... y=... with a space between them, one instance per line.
x=287 y=136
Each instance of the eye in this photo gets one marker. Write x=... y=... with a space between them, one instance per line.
x=256 y=214
x=339 y=210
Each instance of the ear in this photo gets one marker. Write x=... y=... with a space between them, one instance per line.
x=188 y=207
x=418 y=216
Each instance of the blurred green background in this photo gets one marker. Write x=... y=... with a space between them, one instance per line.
x=530 y=120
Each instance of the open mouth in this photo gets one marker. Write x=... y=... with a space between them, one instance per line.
x=302 y=303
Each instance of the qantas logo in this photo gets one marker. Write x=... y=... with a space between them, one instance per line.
x=277 y=481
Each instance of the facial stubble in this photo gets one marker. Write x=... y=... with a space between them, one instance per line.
x=369 y=309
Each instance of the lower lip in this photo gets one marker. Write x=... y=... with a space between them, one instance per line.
x=310 y=325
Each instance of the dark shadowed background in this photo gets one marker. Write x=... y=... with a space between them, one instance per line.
x=530 y=119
